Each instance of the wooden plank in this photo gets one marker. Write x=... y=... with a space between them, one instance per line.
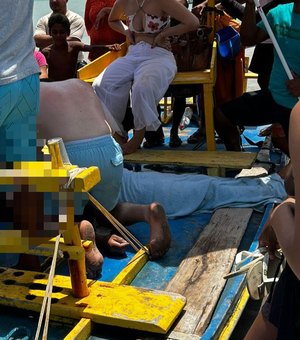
x=82 y=330
x=213 y=159
x=200 y=276
x=108 y=303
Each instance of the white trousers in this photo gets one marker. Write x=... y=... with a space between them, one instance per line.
x=147 y=72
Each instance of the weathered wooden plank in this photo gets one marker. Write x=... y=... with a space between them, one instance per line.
x=214 y=159
x=200 y=276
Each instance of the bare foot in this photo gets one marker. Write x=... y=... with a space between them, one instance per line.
x=114 y=244
x=160 y=236
x=93 y=258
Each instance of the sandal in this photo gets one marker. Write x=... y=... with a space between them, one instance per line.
x=259 y=275
x=175 y=141
x=196 y=137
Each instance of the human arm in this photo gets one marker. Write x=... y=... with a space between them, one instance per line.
x=288 y=233
x=293 y=85
x=250 y=33
x=198 y=9
x=104 y=12
x=187 y=21
x=94 y=48
x=115 y=22
x=42 y=62
x=43 y=39
x=285 y=219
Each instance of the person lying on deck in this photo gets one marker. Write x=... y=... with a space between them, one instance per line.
x=62 y=55
x=71 y=110
x=279 y=316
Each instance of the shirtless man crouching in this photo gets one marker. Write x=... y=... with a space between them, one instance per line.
x=71 y=110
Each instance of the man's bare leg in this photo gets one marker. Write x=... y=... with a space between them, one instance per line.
x=134 y=143
x=154 y=214
x=93 y=258
x=227 y=131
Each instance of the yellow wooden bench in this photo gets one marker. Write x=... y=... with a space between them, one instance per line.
x=248 y=75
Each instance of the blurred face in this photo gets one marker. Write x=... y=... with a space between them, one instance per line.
x=58 y=6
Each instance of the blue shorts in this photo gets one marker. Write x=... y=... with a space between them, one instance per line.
x=107 y=155
x=19 y=106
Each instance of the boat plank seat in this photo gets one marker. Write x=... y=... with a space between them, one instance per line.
x=200 y=275
x=107 y=303
x=215 y=161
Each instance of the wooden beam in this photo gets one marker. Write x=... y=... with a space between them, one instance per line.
x=210 y=159
x=200 y=276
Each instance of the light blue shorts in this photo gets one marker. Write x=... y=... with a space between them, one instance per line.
x=19 y=106
x=107 y=155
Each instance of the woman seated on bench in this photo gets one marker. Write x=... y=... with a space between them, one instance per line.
x=147 y=69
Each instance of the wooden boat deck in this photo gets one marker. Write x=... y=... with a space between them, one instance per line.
x=157 y=274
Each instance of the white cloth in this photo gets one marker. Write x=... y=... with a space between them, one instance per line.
x=147 y=72
x=187 y=194
x=16 y=42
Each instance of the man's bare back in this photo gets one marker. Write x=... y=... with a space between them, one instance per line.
x=76 y=113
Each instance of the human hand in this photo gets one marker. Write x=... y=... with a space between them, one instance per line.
x=161 y=41
x=130 y=37
x=198 y=10
x=293 y=85
x=100 y=16
x=268 y=239
x=117 y=244
x=114 y=47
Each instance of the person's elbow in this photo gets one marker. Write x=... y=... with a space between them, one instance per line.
x=193 y=24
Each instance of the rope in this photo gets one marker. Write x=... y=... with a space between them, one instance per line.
x=72 y=174
x=47 y=296
x=131 y=239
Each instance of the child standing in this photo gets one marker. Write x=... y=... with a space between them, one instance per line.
x=62 y=55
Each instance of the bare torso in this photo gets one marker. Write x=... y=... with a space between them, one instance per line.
x=61 y=61
x=71 y=110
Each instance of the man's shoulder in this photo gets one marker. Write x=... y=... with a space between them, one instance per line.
x=72 y=16
x=44 y=19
